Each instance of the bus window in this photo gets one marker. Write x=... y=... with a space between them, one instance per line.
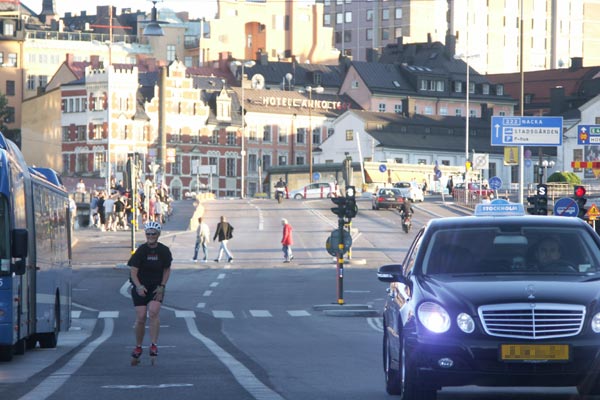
x=4 y=238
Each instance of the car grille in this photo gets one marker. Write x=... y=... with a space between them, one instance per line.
x=532 y=320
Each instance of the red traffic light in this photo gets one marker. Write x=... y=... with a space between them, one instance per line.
x=579 y=191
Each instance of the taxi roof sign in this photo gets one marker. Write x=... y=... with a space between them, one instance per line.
x=499 y=210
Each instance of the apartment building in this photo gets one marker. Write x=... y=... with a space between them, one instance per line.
x=488 y=32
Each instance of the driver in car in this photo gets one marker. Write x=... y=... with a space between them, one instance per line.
x=548 y=254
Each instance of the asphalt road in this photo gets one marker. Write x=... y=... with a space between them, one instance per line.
x=252 y=329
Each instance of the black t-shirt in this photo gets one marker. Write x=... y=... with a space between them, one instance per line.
x=150 y=263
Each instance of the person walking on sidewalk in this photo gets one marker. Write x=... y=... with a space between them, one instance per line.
x=287 y=241
x=150 y=270
x=224 y=232
x=202 y=239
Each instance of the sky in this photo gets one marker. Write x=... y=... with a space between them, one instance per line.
x=196 y=8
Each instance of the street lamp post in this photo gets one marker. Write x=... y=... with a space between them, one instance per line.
x=243 y=64
x=310 y=90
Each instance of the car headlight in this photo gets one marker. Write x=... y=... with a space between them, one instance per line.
x=434 y=317
x=465 y=323
x=596 y=323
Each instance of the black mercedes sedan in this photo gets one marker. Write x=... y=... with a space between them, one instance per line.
x=502 y=299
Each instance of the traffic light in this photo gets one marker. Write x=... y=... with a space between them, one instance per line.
x=542 y=200
x=340 y=210
x=579 y=197
x=351 y=207
x=533 y=205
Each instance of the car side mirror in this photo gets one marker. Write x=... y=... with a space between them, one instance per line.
x=391 y=273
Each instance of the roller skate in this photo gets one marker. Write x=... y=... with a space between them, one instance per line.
x=153 y=353
x=135 y=355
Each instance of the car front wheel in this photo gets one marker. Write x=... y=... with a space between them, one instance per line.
x=393 y=379
x=413 y=388
x=298 y=196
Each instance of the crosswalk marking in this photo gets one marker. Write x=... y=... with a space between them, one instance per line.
x=207 y=293
x=221 y=276
x=298 y=313
x=260 y=313
x=75 y=314
x=222 y=314
x=214 y=284
x=185 y=314
x=108 y=314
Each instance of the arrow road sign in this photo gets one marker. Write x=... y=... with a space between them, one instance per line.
x=588 y=134
x=566 y=207
x=527 y=131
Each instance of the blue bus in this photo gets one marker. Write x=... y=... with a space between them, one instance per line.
x=35 y=255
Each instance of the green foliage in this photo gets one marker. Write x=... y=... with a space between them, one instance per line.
x=568 y=177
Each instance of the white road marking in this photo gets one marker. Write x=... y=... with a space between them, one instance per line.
x=221 y=276
x=222 y=314
x=52 y=383
x=260 y=313
x=108 y=314
x=161 y=386
x=242 y=374
x=298 y=313
x=200 y=305
x=214 y=284
x=75 y=314
x=207 y=293
x=185 y=314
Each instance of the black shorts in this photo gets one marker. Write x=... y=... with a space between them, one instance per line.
x=143 y=300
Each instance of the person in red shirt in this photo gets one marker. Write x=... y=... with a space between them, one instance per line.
x=287 y=241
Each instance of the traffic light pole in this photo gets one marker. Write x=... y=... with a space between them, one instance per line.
x=340 y=264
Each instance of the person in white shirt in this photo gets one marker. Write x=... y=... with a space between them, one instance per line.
x=202 y=239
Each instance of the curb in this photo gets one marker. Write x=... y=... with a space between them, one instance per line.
x=346 y=310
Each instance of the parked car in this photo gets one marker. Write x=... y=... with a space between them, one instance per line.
x=411 y=190
x=494 y=301
x=474 y=189
x=316 y=190
x=387 y=198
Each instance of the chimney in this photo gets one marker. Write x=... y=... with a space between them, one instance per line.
x=428 y=38
x=576 y=63
x=450 y=45
x=95 y=61
x=70 y=58
x=557 y=100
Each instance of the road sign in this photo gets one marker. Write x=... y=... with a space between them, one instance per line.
x=382 y=168
x=527 y=131
x=588 y=134
x=481 y=161
x=566 y=207
x=593 y=213
x=316 y=176
x=495 y=183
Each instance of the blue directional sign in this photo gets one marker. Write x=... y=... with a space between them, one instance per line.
x=527 y=131
x=588 y=134
x=566 y=207
x=495 y=182
x=316 y=176
x=382 y=168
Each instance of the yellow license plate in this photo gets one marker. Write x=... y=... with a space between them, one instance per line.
x=534 y=352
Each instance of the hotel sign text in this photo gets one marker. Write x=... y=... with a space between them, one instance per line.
x=273 y=101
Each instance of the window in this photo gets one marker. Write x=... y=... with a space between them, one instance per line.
x=398 y=108
x=30 y=82
x=349 y=135
x=10 y=88
x=252 y=162
x=282 y=160
x=339 y=18
x=65 y=134
x=385 y=34
x=316 y=136
x=80 y=132
x=251 y=132
x=266 y=161
x=428 y=110
x=42 y=80
x=443 y=110
x=338 y=37
x=348 y=16
x=171 y=52
x=381 y=107
x=439 y=86
x=354 y=85
x=369 y=15
x=12 y=59
x=327 y=20
x=500 y=90
x=214 y=161
x=214 y=138
x=176 y=166
x=300 y=160
x=385 y=14
x=99 y=159
x=175 y=136
x=485 y=88
x=97 y=131
x=458 y=112
x=397 y=32
x=330 y=132
x=283 y=134
x=457 y=86
x=473 y=113
x=347 y=36
x=230 y=167
x=9 y=29
x=267 y=133
x=300 y=135
x=195 y=136
x=398 y=13
x=231 y=138
x=369 y=34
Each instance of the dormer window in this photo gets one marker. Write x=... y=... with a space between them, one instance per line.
x=457 y=86
x=500 y=90
x=485 y=88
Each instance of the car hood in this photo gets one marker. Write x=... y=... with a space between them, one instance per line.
x=473 y=292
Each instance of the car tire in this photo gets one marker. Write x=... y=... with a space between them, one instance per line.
x=298 y=196
x=393 y=379
x=412 y=387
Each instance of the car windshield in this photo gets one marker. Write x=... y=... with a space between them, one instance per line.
x=403 y=185
x=490 y=250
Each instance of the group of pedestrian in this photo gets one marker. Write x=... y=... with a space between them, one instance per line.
x=224 y=233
